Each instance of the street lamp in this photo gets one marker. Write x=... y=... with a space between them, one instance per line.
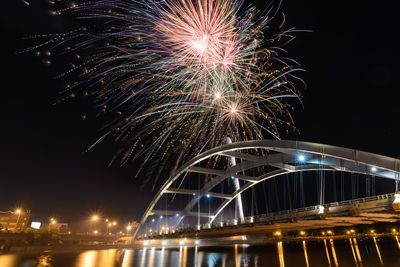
x=18 y=211
x=108 y=226
x=94 y=218
x=128 y=228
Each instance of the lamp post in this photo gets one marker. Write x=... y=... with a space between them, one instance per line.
x=18 y=211
x=128 y=228
x=94 y=218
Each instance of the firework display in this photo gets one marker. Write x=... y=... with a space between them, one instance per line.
x=174 y=77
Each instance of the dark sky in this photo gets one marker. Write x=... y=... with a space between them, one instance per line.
x=351 y=100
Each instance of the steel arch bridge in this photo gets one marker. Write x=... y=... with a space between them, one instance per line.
x=282 y=156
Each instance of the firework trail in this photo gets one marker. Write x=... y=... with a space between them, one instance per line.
x=174 y=77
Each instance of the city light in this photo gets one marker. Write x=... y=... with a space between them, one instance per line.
x=95 y=218
x=95 y=232
x=302 y=158
x=302 y=233
x=114 y=223
x=277 y=233
x=18 y=211
x=177 y=215
x=208 y=195
x=374 y=169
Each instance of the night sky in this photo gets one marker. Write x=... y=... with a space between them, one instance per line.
x=351 y=100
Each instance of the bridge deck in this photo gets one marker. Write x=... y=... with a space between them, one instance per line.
x=346 y=213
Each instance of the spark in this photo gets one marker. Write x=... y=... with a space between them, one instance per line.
x=174 y=77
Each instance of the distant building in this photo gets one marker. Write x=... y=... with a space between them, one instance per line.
x=14 y=220
x=62 y=227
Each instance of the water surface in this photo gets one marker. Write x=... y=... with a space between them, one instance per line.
x=345 y=252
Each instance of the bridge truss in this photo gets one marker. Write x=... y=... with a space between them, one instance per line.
x=206 y=175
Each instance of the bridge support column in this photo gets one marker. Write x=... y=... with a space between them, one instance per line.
x=236 y=185
x=396 y=202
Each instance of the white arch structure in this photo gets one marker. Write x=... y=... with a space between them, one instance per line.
x=284 y=155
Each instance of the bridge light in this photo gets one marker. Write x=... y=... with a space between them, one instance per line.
x=348 y=232
x=193 y=194
x=161 y=217
x=221 y=224
x=251 y=219
x=152 y=220
x=177 y=215
x=232 y=177
x=181 y=242
x=209 y=225
x=372 y=231
x=302 y=158
x=145 y=243
x=374 y=169
x=163 y=242
x=321 y=209
x=302 y=233
x=208 y=195
x=235 y=222
x=277 y=233
x=394 y=230
x=196 y=242
x=323 y=233
x=330 y=232
x=198 y=227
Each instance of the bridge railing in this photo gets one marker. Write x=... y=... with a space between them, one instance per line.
x=306 y=210
x=280 y=215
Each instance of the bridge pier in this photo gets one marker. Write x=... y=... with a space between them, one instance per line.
x=396 y=201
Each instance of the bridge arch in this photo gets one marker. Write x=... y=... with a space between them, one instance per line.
x=284 y=156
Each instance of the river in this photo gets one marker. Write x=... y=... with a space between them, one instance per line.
x=368 y=251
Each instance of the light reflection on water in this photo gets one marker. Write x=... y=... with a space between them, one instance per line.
x=328 y=252
x=305 y=253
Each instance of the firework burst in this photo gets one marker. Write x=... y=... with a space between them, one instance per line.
x=174 y=77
